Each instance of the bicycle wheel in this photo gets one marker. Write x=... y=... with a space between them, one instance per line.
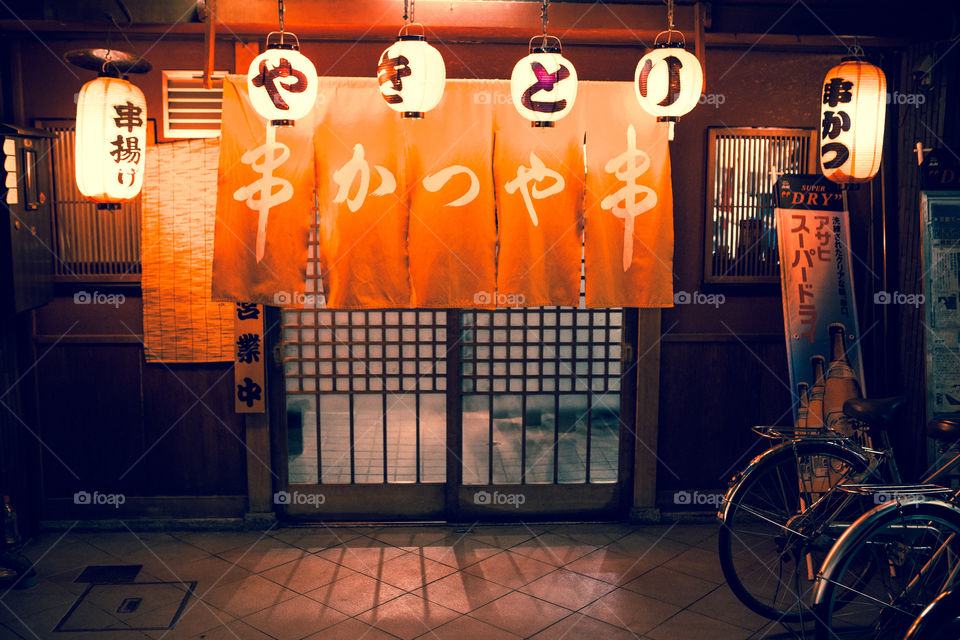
x=909 y=553
x=767 y=561
x=940 y=620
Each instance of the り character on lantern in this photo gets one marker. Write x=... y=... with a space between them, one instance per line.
x=668 y=82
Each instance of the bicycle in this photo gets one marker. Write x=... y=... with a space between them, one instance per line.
x=940 y=620
x=784 y=512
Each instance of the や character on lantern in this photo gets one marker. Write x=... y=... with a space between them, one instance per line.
x=110 y=141
x=544 y=84
x=852 y=112
x=668 y=82
x=411 y=74
x=282 y=82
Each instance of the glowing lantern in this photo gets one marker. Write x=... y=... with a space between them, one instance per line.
x=544 y=85
x=668 y=82
x=282 y=83
x=852 y=113
x=111 y=140
x=411 y=74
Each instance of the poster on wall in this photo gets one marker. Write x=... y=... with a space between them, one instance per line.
x=819 y=310
x=941 y=286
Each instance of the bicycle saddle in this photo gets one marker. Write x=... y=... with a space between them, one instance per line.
x=944 y=428
x=876 y=412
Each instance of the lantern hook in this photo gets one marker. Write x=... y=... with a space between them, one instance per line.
x=295 y=46
x=544 y=39
x=669 y=42
x=405 y=31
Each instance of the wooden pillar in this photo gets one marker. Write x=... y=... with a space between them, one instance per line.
x=648 y=411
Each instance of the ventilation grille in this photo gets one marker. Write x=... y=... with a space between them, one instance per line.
x=743 y=165
x=91 y=245
x=189 y=110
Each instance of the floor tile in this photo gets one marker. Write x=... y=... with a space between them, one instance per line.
x=721 y=604
x=688 y=625
x=196 y=618
x=315 y=539
x=365 y=559
x=631 y=611
x=567 y=589
x=307 y=573
x=408 y=616
x=698 y=562
x=351 y=629
x=510 y=569
x=233 y=631
x=458 y=551
x=467 y=628
x=355 y=594
x=247 y=596
x=553 y=549
x=609 y=566
x=671 y=586
x=294 y=619
x=520 y=614
x=462 y=592
x=410 y=571
x=263 y=554
x=411 y=538
x=580 y=626
x=219 y=541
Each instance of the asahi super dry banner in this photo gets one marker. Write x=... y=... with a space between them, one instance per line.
x=819 y=311
x=469 y=206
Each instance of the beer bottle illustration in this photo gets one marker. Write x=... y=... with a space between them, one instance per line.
x=840 y=384
x=802 y=393
x=815 y=405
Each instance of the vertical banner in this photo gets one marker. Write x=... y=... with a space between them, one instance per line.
x=941 y=294
x=264 y=199
x=453 y=229
x=248 y=365
x=819 y=310
x=361 y=193
x=540 y=179
x=628 y=235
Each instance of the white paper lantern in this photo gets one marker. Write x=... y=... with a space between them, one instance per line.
x=544 y=85
x=111 y=140
x=412 y=75
x=852 y=113
x=668 y=82
x=282 y=83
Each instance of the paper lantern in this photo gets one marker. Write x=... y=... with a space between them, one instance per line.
x=282 y=83
x=411 y=74
x=852 y=112
x=544 y=85
x=668 y=82
x=111 y=140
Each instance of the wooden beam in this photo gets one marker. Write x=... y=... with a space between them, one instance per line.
x=209 y=40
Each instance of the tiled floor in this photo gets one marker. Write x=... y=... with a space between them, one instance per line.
x=607 y=581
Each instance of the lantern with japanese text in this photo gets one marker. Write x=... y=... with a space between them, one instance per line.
x=668 y=82
x=282 y=82
x=544 y=84
x=852 y=112
x=110 y=140
x=411 y=74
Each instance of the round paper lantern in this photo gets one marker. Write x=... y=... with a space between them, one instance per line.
x=282 y=83
x=668 y=82
x=411 y=74
x=111 y=140
x=852 y=112
x=544 y=85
